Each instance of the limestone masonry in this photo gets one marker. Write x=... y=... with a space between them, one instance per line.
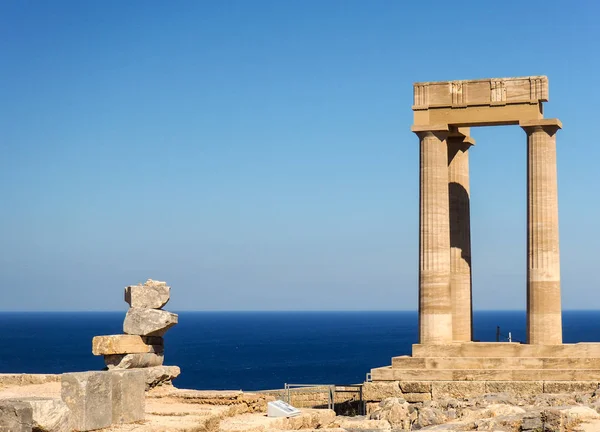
x=450 y=383
x=443 y=115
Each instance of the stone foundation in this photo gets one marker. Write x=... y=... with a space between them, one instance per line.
x=421 y=391
x=495 y=361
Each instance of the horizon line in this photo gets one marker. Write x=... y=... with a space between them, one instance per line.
x=268 y=310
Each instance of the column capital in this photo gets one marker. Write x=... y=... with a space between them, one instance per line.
x=440 y=130
x=551 y=126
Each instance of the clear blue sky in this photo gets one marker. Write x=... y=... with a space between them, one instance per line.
x=258 y=154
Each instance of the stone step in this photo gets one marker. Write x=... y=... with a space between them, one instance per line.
x=474 y=363
x=507 y=349
x=388 y=373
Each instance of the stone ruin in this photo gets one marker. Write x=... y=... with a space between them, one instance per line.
x=142 y=345
x=98 y=399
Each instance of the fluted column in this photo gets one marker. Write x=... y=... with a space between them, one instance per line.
x=460 y=238
x=544 y=323
x=435 y=309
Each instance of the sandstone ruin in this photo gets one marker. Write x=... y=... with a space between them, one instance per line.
x=450 y=383
x=443 y=115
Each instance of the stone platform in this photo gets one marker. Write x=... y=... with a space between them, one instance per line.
x=495 y=361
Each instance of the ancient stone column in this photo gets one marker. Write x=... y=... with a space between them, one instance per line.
x=544 y=324
x=435 y=308
x=460 y=238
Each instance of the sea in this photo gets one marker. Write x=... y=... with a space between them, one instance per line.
x=252 y=350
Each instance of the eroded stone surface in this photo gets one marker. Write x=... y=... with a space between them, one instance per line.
x=148 y=322
x=89 y=397
x=378 y=391
x=48 y=414
x=126 y=344
x=128 y=395
x=131 y=361
x=415 y=386
x=397 y=412
x=152 y=294
x=360 y=423
x=15 y=416
x=160 y=375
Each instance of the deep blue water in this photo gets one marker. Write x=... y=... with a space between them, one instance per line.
x=251 y=350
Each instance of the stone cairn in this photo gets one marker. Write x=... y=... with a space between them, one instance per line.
x=142 y=345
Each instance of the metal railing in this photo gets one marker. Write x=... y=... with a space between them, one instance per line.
x=312 y=388
x=331 y=389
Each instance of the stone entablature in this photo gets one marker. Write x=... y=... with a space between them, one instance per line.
x=491 y=91
x=491 y=101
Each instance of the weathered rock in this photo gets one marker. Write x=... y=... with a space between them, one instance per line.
x=378 y=391
x=415 y=386
x=48 y=414
x=360 y=423
x=520 y=388
x=497 y=410
x=396 y=411
x=152 y=294
x=501 y=423
x=148 y=322
x=532 y=422
x=160 y=375
x=580 y=413
x=308 y=419
x=131 y=361
x=27 y=379
x=371 y=407
x=570 y=386
x=89 y=398
x=549 y=400
x=429 y=416
x=15 y=416
x=128 y=395
x=126 y=344
x=416 y=397
x=457 y=389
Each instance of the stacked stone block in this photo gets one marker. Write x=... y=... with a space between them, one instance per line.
x=97 y=400
x=145 y=324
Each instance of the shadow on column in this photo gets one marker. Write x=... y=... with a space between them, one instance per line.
x=460 y=220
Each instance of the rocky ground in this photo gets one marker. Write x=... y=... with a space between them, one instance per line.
x=169 y=409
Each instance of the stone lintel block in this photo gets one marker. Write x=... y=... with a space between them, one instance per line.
x=378 y=391
x=520 y=388
x=89 y=398
x=416 y=397
x=480 y=92
x=128 y=395
x=126 y=344
x=457 y=389
x=152 y=294
x=415 y=386
x=15 y=416
x=132 y=361
x=148 y=322
x=570 y=386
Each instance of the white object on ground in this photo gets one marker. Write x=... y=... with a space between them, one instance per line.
x=281 y=409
